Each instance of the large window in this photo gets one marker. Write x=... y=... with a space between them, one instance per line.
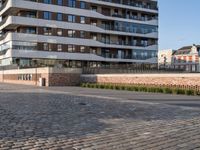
x=94 y=8
x=47 y=47
x=59 y=17
x=82 y=5
x=60 y=2
x=47 y=31
x=47 y=1
x=82 y=20
x=59 y=32
x=71 y=18
x=31 y=30
x=71 y=48
x=82 y=49
x=71 y=33
x=72 y=3
x=47 y=15
x=59 y=47
x=82 y=34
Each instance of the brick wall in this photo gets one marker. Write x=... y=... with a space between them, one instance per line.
x=63 y=79
x=145 y=79
x=52 y=76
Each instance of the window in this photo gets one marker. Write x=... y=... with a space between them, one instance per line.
x=72 y=3
x=71 y=48
x=59 y=17
x=94 y=8
x=47 y=1
x=94 y=36
x=78 y=64
x=59 y=47
x=82 y=49
x=50 y=47
x=60 y=2
x=82 y=5
x=116 y=11
x=31 y=14
x=82 y=20
x=25 y=77
x=71 y=18
x=82 y=34
x=31 y=30
x=71 y=33
x=47 y=15
x=45 y=47
x=47 y=31
x=59 y=32
x=94 y=22
x=94 y=51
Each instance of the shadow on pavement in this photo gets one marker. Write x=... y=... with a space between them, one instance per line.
x=45 y=115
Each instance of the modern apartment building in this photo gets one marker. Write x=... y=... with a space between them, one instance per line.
x=76 y=33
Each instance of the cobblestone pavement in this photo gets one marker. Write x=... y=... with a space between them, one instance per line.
x=33 y=118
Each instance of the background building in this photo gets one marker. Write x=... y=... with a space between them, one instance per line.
x=165 y=58
x=187 y=58
x=77 y=33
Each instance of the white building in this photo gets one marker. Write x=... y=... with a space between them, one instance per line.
x=165 y=58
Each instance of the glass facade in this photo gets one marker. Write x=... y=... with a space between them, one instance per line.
x=129 y=27
x=143 y=54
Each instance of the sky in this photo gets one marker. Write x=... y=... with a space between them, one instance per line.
x=179 y=23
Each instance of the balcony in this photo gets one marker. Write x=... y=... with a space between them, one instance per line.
x=133 y=3
x=127 y=29
x=123 y=43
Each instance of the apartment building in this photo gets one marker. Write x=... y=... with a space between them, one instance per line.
x=77 y=33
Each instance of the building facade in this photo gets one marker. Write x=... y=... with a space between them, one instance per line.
x=165 y=58
x=77 y=33
x=187 y=58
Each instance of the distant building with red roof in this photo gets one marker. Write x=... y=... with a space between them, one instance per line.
x=187 y=58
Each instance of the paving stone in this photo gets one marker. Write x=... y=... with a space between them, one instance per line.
x=31 y=118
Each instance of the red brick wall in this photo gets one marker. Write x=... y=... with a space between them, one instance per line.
x=148 y=79
x=64 y=79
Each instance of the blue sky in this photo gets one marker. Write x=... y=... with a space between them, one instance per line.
x=179 y=23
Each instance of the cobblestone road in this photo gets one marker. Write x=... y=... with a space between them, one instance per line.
x=32 y=118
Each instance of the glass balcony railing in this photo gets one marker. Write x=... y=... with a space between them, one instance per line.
x=125 y=43
x=133 y=3
x=128 y=29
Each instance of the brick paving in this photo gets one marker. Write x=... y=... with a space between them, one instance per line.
x=32 y=118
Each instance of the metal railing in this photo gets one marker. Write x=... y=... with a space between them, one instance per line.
x=128 y=70
x=133 y=4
